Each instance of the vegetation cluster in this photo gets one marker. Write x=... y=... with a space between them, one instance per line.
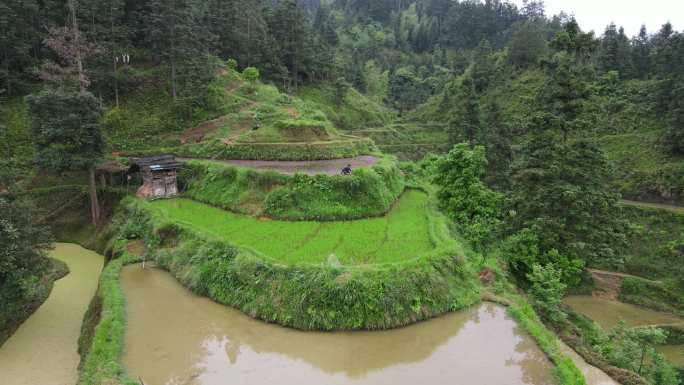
x=366 y=193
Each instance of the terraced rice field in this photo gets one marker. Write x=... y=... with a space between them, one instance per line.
x=400 y=235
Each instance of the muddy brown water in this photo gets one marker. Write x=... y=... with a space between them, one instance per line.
x=673 y=353
x=43 y=351
x=311 y=167
x=174 y=337
x=608 y=313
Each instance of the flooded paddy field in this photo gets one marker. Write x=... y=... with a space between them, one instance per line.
x=44 y=350
x=175 y=337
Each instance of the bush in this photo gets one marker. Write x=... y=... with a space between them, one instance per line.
x=547 y=291
x=316 y=297
x=366 y=193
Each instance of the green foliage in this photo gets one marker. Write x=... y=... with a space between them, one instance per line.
x=312 y=296
x=101 y=360
x=566 y=370
x=366 y=193
x=527 y=44
x=66 y=129
x=523 y=253
x=633 y=349
x=548 y=291
x=652 y=295
x=561 y=193
x=251 y=74
x=24 y=269
x=406 y=90
x=352 y=112
x=401 y=235
x=464 y=197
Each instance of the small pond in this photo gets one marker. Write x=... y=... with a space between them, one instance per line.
x=175 y=337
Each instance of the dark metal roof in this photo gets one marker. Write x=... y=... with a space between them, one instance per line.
x=157 y=163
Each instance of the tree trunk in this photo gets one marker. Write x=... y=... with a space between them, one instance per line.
x=94 y=205
x=173 y=54
x=7 y=74
x=79 y=61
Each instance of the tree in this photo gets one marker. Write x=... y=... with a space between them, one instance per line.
x=22 y=247
x=463 y=195
x=563 y=96
x=294 y=38
x=675 y=132
x=497 y=140
x=65 y=121
x=614 y=52
x=177 y=36
x=527 y=44
x=641 y=54
x=405 y=89
x=466 y=113
x=548 y=291
x=573 y=41
x=67 y=134
x=341 y=90
x=251 y=74
x=561 y=192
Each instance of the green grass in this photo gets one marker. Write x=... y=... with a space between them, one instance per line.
x=644 y=168
x=101 y=351
x=400 y=235
x=368 y=192
x=357 y=111
x=319 y=296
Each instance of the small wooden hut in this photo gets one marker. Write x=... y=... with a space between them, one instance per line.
x=159 y=175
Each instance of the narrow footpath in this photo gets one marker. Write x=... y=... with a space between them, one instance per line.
x=660 y=206
x=44 y=348
x=310 y=167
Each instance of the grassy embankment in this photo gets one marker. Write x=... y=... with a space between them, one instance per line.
x=102 y=336
x=652 y=253
x=250 y=121
x=355 y=111
x=503 y=291
x=309 y=289
x=644 y=168
x=368 y=192
x=399 y=236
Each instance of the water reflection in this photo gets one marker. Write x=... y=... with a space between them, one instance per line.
x=608 y=313
x=44 y=349
x=175 y=338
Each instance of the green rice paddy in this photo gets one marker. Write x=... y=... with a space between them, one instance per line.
x=400 y=235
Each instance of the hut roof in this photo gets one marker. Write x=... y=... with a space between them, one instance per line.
x=111 y=166
x=156 y=163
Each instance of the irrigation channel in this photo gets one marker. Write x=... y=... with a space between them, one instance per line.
x=607 y=313
x=44 y=349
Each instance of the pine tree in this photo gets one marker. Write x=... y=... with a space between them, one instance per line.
x=641 y=52
x=179 y=38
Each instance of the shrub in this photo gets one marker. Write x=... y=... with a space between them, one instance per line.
x=366 y=193
x=547 y=291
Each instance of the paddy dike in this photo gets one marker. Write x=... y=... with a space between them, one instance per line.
x=44 y=350
x=200 y=342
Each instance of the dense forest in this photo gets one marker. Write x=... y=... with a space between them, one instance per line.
x=539 y=140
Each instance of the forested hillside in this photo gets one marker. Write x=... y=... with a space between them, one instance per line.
x=555 y=154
